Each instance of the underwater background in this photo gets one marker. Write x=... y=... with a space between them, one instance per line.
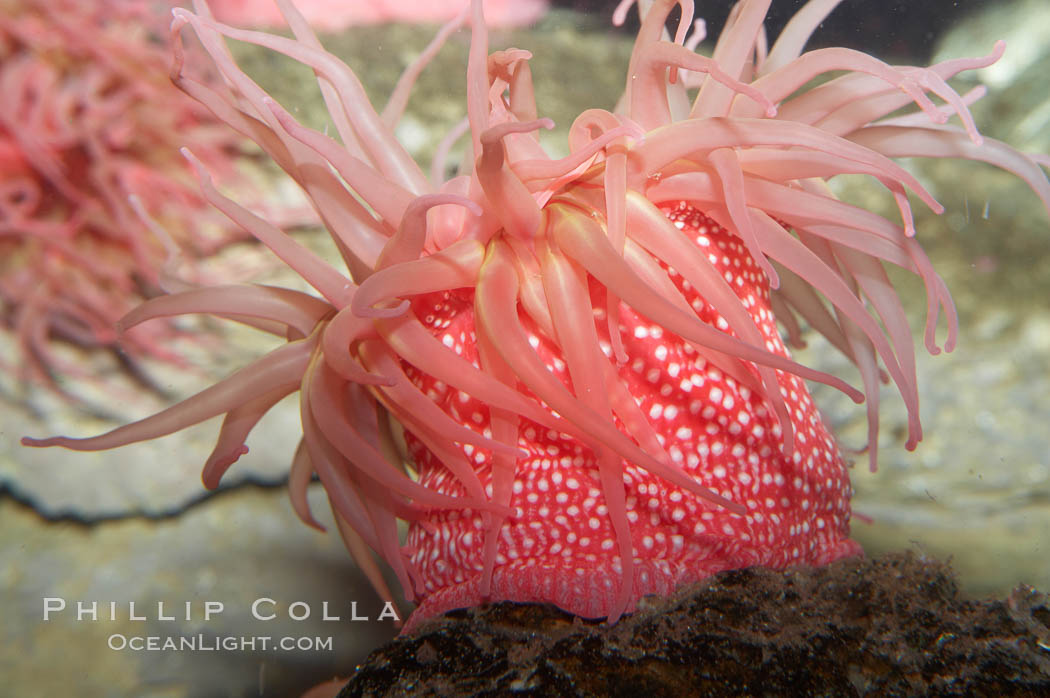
x=135 y=524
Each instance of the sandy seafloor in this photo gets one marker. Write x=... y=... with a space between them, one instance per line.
x=134 y=524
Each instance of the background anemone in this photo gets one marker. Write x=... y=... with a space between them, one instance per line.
x=89 y=135
x=334 y=15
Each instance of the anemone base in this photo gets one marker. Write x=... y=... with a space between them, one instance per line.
x=588 y=593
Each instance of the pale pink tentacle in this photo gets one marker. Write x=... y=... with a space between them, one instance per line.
x=398 y=100
x=517 y=211
x=388 y=199
x=280 y=369
x=329 y=282
x=299 y=477
x=455 y=266
x=408 y=242
x=733 y=50
x=670 y=143
x=505 y=425
x=796 y=33
x=343 y=330
x=229 y=446
x=291 y=308
x=574 y=326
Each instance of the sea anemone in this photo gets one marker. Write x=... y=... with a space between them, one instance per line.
x=565 y=374
x=335 y=15
x=90 y=130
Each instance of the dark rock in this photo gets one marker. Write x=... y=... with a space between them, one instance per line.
x=895 y=625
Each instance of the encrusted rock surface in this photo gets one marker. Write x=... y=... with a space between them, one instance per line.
x=896 y=625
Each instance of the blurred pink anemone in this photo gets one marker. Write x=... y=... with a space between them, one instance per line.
x=90 y=128
x=335 y=15
x=95 y=197
x=558 y=246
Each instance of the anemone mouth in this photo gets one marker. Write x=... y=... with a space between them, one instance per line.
x=505 y=284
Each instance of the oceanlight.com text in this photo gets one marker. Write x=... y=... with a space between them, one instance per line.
x=210 y=643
